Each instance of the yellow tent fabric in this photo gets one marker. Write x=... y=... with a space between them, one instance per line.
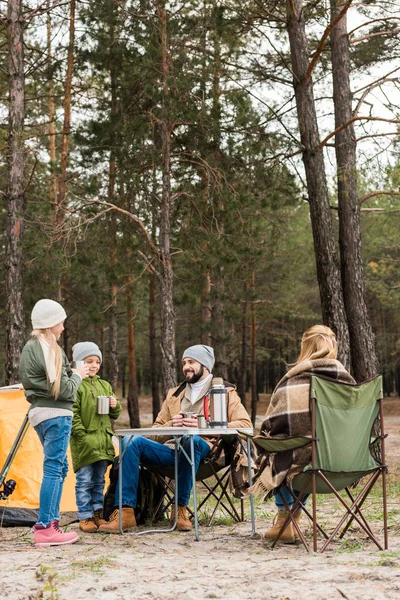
x=27 y=466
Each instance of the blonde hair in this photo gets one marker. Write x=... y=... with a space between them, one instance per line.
x=318 y=342
x=55 y=351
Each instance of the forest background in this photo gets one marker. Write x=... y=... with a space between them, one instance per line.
x=202 y=171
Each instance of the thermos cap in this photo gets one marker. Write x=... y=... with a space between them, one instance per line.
x=217 y=381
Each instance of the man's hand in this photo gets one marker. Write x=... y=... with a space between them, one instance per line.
x=190 y=422
x=177 y=420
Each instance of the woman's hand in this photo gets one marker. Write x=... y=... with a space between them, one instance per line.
x=113 y=402
x=82 y=371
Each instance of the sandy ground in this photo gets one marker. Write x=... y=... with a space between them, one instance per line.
x=226 y=563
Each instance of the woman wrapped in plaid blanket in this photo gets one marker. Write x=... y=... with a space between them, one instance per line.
x=288 y=415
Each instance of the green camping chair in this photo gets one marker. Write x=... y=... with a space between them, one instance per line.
x=347 y=446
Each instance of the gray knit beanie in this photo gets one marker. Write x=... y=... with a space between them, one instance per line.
x=47 y=313
x=82 y=350
x=203 y=354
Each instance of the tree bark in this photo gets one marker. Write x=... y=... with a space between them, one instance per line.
x=253 y=383
x=112 y=313
x=133 y=398
x=62 y=184
x=243 y=358
x=218 y=277
x=15 y=330
x=328 y=272
x=155 y=392
x=206 y=309
x=52 y=112
x=362 y=341
x=168 y=352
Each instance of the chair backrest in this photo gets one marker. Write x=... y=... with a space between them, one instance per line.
x=344 y=420
x=344 y=426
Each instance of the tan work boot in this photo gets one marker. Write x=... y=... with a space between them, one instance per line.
x=183 y=522
x=88 y=525
x=297 y=518
x=98 y=517
x=112 y=526
x=288 y=534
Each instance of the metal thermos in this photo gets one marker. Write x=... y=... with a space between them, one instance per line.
x=217 y=416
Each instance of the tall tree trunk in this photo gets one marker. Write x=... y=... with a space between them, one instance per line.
x=253 y=383
x=206 y=309
x=168 y=351
x=133 y=399
x=112 y=176
x=155 y=392
x=328 y=272
x=112 y=312
x=243 y=358
x=52 y=111
x=362 y=341
x=218 y=319
x=15 y=330
x=62 y=184
x=218 y=279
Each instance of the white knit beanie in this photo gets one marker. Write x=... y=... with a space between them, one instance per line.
x=82 y=350
x=203 y=354
x=47 y=313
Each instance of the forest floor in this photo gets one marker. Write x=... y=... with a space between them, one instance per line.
x=226 y=563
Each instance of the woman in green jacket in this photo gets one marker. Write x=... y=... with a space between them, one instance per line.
x=50 y=386
x=91 y=438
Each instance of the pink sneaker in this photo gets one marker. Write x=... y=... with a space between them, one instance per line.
x=52 y=535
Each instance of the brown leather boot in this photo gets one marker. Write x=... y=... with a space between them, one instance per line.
x=183 y=523
x=288 y=534
x=128 y=521
x=297 y=518
x=98 y=517
x=88 y=525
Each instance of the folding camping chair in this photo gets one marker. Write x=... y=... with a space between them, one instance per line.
x=216 y=465
x=347 y=446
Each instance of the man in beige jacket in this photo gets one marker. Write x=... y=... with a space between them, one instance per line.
x=197 y=365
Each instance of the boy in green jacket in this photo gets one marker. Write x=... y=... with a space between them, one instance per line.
x=92 y=449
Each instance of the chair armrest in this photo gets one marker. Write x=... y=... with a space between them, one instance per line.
x=281 y=444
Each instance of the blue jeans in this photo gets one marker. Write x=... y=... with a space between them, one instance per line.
x=140 y=450
x=288 y=498
x=54 y=435
x=89 y=488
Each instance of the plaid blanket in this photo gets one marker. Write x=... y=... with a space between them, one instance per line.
x=288 y=415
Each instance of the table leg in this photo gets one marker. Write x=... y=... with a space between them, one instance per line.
x=196 y=519
x=177 y=443
x=120 y=485
x=253 y=525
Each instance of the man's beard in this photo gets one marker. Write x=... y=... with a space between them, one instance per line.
x=196 y=376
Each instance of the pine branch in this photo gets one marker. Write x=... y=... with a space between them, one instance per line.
x=344 y=125
x=379 y=193
x=136 y=220
x=323 y=40
x=369 y=36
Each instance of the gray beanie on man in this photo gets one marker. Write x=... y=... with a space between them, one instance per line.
x=82 y=350
x=203 y=354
